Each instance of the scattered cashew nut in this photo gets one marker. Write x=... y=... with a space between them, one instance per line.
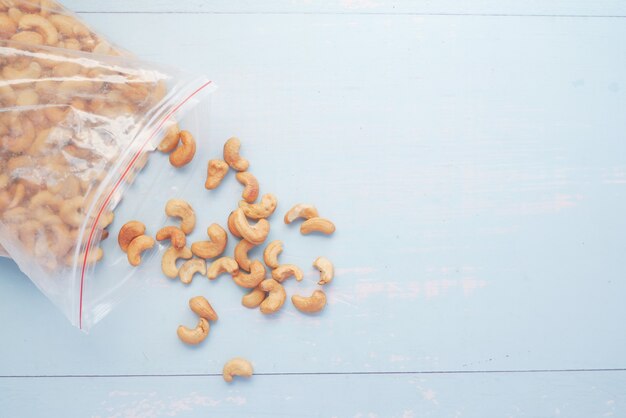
x=311 y=304
x=137 y=246
x=195 y=335
x=254 y=298
x=327 y=271
x=270 y=255
x=241 y=254
x=254 y=234
x=222 y=265
x=251 y=186
x=186 y=150
x=181 y=209
x=216 y=171
x=301 y=210
x=170 y=256
x=214 y=247
x=275 y=298
x=237 y=367
x=252 y=279
x=317 y=225
x=260 y=210
x=128 y=232
x=191 y=267
x=232 y=157
x=174 y=234
x=202 y=308
x=284 y=271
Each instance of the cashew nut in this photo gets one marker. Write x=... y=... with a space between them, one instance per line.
x=214 y=247
x=252 y=279
x=237 y=367
x=311 y=304
x=254 y=298
x=317 y=225
x=275 y=298
x=174 y=234
x=301 y=210
x=196 y=335
x=231 y=225
x=137 y=246
x=251 y=186
x=202 y=308
x=28 y=37
x=41 y=25
x=106 y=219
x=270 y=255
x=326 y=269
x=186 y=150
x=72 y=211
x=260 y=210
x=170 y=140
x=216 y=171
x=232 y=157
x=222 y=265
x=181 y=209
x=241 y=254
x=170 y=256
x=7 y=26
x=128 y=232
x=284 y=271
x=254 y=234
x=191 y=267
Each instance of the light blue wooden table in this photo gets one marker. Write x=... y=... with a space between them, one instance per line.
x=473 y=157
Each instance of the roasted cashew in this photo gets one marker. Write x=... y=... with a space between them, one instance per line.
x=7 y=26
x=137 y=246
x=232 y=157
x=174 y=234
x=41 y=25
x=253 y=234
x=222 y=265
x=191 y=267
x=275 y=298
x=311 y=304
x=260 y=210
x=31 y=72
x=252 y=279
x=186 y=150
x=301 y=210
x=254 y=298
x=231 y=225
x=241 y=254
x=284 y=271
x=214 y=247
x=251 y=186
x=28 y=37
x=128 y=232
x=170 y=256
x=237 y=367
x=196 y=335
x=181 y=209
x=170 y=140
x=72 y=211
x=317 y=225
x=201 y=307
x=68 y=26
x=270 y=255
x=327 y=271
x=215 y=173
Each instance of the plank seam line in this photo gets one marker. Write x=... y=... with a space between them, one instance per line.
x=358 y=373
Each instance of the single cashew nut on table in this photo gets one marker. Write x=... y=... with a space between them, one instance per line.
x=128 y=232
x=251 y=186
x=186 y=150
x=311 y=304
x=191 y=267
x=231 y=225
x=222 y=265
x=171 y=255
x=327 y=271
x=275 y=298
x=216 y=171
x=170 y=140
x=202 y=308
x=252 y=279
x=301 y=210
x=180 y=209
x=263 y=209
x=270 y=255
x=237 y=367
x=284 y=271
x=174 y=234
x=137 y=246
x=254 y=298
x=195 y=335
x=317 y=225
x=241 y=254
x=254 y=234
x=213 y=248
x=232 y=157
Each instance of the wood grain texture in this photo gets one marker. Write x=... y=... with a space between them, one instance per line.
x=476 y=7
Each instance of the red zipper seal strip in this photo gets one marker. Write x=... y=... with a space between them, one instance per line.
x=117 y=184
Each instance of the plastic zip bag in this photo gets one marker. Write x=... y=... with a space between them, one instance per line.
x=75 y=130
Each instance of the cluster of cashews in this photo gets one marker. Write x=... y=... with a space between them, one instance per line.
x=180 y=145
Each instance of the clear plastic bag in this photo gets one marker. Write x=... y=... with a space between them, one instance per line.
x=75 y=130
